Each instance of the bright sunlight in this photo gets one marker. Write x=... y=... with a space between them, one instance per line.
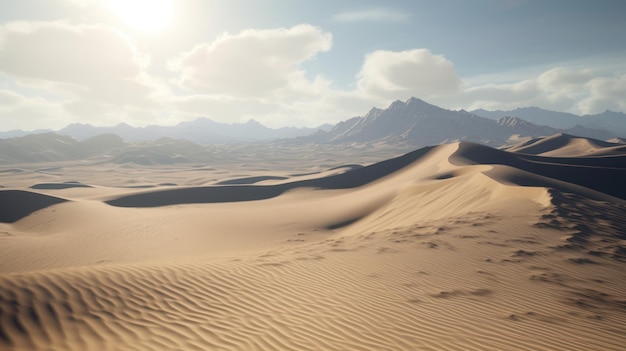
x=144 y=15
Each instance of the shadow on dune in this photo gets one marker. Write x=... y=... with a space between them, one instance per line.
x=343 y=224
x=235 y=193
x=249 y=180
x=59 y=186
x=603 y=174
x=17 y=204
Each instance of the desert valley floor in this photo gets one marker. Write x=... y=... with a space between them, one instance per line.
x=453 y=247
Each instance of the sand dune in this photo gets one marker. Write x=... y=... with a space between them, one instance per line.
x=563 y=145
x=353 y=179
x=17 y=204
x=455 y=247
x=579 y=171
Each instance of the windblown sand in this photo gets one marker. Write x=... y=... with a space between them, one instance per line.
x=456 y=247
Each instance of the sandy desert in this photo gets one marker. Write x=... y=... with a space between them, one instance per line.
x=452 y=247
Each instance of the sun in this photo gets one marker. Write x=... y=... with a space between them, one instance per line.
x=145 y=15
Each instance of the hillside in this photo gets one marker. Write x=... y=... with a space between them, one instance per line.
x=418 y=123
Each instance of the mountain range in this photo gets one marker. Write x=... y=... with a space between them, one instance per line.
x=403 y=126
x=607 y=120
x=413 y=121
x=418 y=123
x=200 y=131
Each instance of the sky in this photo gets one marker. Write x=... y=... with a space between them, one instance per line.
x=302 y=63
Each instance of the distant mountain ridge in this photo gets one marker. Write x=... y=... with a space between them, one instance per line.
x=418 y=123
x=404 y=125
x=15 y=133
x=199 y=131
x=608 y=120
x=415 y=122
x=52 y=147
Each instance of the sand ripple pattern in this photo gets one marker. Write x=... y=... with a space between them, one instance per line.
x=343 y=294
x=455 y=261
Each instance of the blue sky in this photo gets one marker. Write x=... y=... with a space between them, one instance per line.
x=302 y=63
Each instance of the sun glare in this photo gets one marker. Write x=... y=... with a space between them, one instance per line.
x=144 y=15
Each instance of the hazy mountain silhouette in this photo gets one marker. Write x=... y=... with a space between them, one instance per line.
x=406 y=125
x=608 y=120
x=200 y=131
x=19 y=133
x=419 y=123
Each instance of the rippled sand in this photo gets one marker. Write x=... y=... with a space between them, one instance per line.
x=457 y=247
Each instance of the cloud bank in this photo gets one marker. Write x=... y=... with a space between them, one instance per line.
x=89 y=70
x=55 y=73
x=413 y=72
x=253 y=63
x=577 y=90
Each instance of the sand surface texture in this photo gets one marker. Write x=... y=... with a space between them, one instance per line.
x=454 y=247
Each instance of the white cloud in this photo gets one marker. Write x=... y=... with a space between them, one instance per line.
x=372 y=15
x=328 y=106
x=58 y=52
x=408 y=73
x=87 y=65
x=21 y=112
x=560 y=78
x=10 y=98
x=256 y=74
x=576 y=90
x=605 y=93
x=252 y=63
x=225 y=108
x=92 y=73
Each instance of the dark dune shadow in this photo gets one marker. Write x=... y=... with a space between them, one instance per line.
x=609 y=161
x=250 y=180
x=303 y=174
x=235 y=193
x=603 y=174
x=17 y=204
x=348 y=167
x=343 y=224
x=196 y=195
x=58 y=186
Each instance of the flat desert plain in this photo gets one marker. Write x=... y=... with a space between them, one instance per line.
x=453 y=247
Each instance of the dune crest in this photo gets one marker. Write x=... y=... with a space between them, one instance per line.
x=563 y=145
